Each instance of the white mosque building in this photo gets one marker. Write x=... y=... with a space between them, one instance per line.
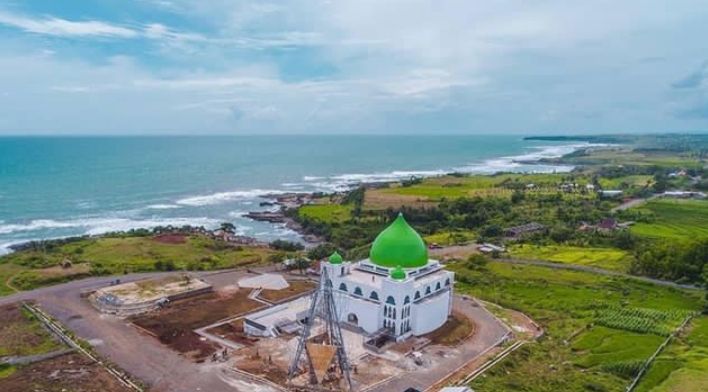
x=397 y=288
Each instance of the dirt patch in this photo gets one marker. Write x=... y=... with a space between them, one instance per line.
x=21 y=334
x=456 y=329
x=233 y=331
x=70 y=372
x=174 y=325
x=381 y=199
x=265 y=368
x=296 y=288
x=169 y=238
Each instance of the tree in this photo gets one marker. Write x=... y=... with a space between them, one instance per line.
x=302 y=264
x=228 y=227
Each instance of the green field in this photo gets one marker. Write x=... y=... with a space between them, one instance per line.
x=635 y=158
x=329 y=213
x=625 y=182
x=446 y=238
x=117 y=255
x=22 y=334
x=451 y=187
x=674 y=219
x=607 y=258
x=683 y=365
x=571 y=356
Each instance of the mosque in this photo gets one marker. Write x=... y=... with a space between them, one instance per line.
x=398 y=288
x=398 y=291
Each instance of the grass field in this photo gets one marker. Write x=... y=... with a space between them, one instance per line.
x=447 y=238
x=674 y=219
x=328 y=213
x=683 y=365
x=607 y=258
x=625 y=182
x=570 y=357
x=110 y=255
x=432 y=190
x=626 y=157
x=21 y=334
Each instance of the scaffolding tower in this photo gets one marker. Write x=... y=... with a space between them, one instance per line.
x=329 y=356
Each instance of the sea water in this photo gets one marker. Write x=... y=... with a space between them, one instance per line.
x=54 y=187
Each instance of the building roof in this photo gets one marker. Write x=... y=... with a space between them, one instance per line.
x=399 y=245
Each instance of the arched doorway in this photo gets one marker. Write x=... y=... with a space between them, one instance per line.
x=353 y=319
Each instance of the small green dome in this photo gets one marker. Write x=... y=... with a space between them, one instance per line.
x=335 y=258
x=398 y=273
x=399 y=245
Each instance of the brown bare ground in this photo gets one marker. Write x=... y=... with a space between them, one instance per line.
x=175 y=324
x=379 y=199
x=169 y=238
x=71 y=372
x=233 y=331
x=296 y=288
x=456 y=329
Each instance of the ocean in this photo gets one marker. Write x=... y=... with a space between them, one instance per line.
x=53 y=187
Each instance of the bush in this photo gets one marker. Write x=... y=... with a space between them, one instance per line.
x=287 y=246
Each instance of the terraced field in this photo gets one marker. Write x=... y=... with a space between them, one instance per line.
x=675 y=219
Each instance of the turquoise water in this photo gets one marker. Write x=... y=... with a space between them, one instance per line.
x=55 y=187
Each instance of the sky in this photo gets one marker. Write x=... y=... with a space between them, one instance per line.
x=197 y=67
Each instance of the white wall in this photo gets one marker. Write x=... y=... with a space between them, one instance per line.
x=430 y=314
x=366 y=311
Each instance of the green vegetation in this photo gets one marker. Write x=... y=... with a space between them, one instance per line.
x=329 y=213
x=674 y=219
x=33 y=268
x=683 y=365
x=446 y=238
x=22 y=334
x=565 y=304
x=607 y=258
x=6 y=370
x=626 y=182
x=642 y=320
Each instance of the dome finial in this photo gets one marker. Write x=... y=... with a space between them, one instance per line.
x=398 y=273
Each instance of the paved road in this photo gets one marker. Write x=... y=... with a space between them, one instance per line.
x=489 y=331
x=599 y=271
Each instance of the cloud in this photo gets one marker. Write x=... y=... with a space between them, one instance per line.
x=62 y=27
x=694 y=79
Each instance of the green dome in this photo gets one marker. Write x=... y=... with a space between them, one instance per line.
x=399 y=246
x=398 y=273
x=335 y=258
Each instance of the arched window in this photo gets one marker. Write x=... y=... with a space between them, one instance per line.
x=417 y=295
x=390 y=300
x=447 y=282
x=437 y=286
x=427 y=291
x=342 y=271
x=357 y=291
x=407 y=300
x=342 y=287
x=394 y=313
x=374 y=295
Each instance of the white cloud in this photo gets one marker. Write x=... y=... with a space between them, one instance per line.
x=63 y=27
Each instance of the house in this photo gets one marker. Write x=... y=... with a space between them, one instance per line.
x=684 y=194
x=607 y=224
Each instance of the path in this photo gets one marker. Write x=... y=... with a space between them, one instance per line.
x=633 y=203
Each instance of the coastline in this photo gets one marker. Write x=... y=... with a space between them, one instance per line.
x=272 y=203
